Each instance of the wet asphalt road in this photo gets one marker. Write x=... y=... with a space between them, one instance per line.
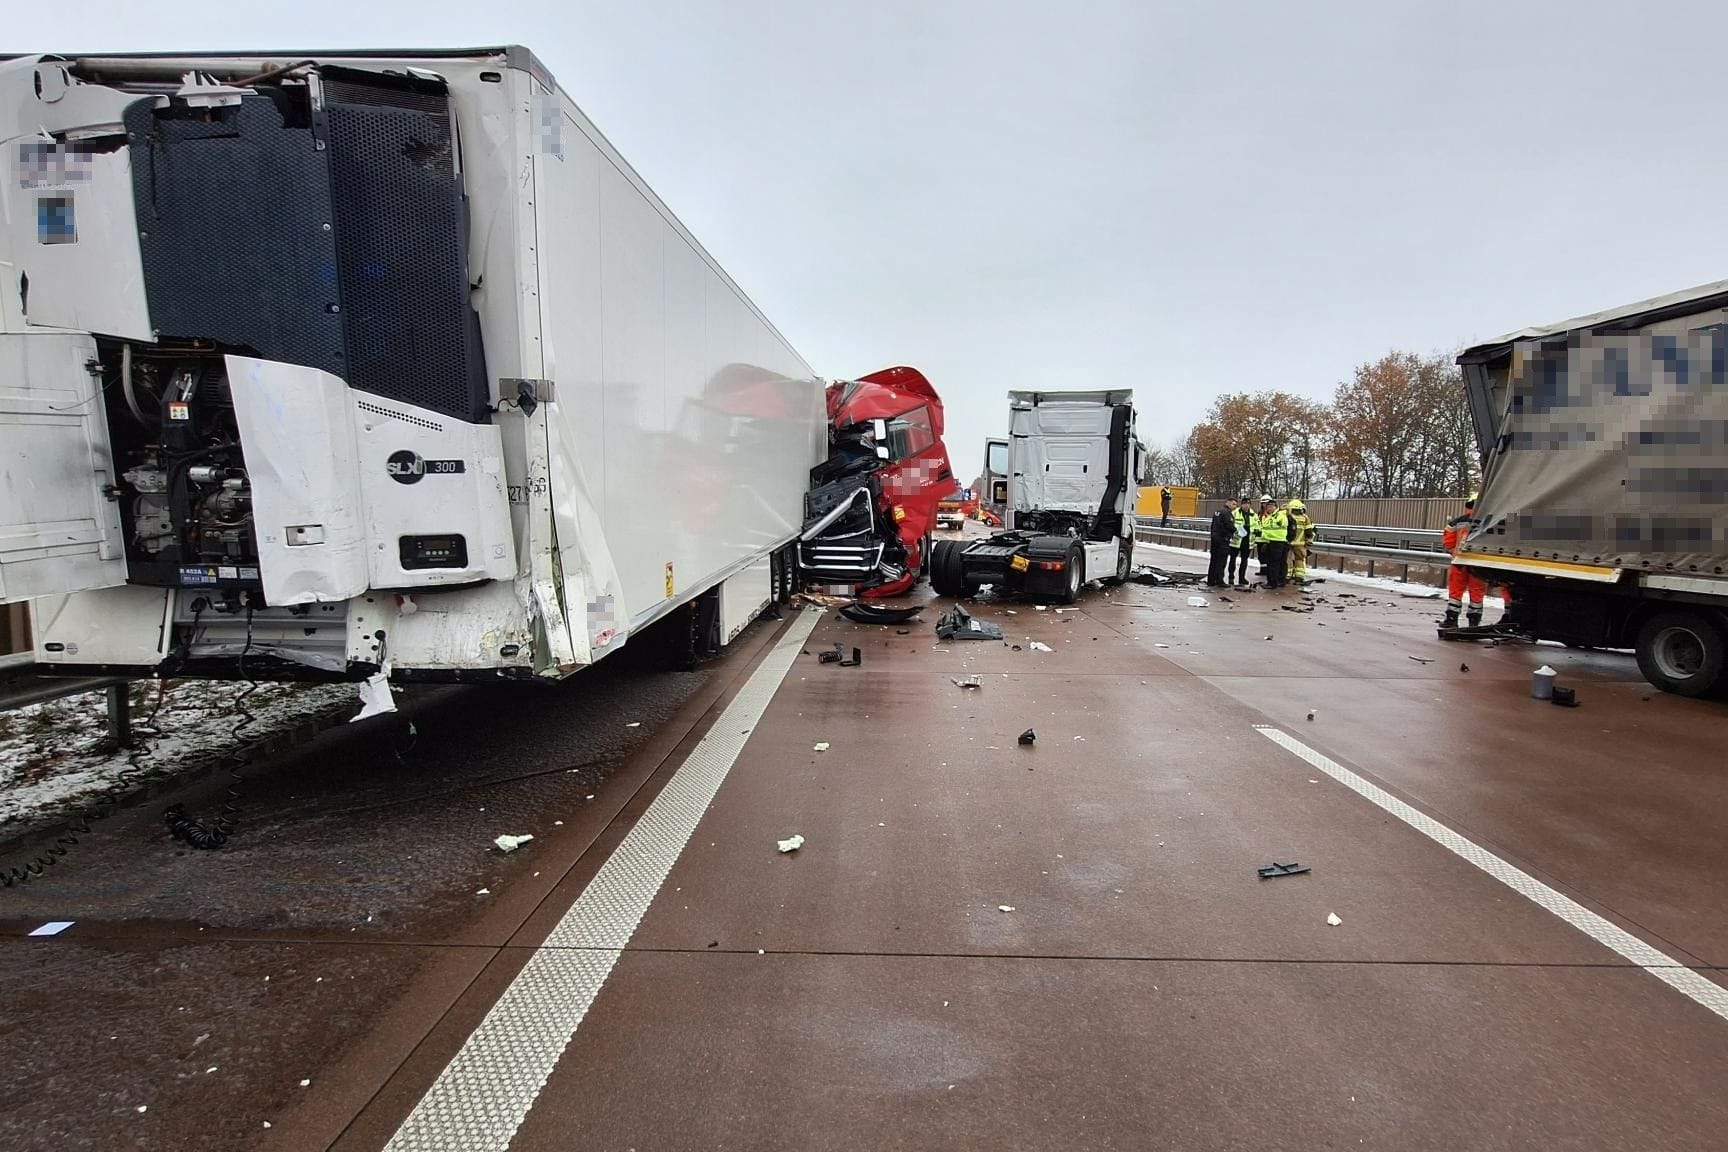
x=1146 y=991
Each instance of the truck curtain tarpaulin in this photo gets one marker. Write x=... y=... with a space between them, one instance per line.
x=1609 y=447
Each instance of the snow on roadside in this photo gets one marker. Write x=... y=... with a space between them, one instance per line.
x=53 y=755
x=1383 y=583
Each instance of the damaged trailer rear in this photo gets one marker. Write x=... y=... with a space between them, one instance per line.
x=324 y=365
x=1604 y=508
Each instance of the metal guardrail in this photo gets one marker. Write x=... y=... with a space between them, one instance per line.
x=1403 y=547
x=20 y=687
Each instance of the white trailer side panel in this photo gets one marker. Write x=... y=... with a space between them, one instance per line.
x=692 y=422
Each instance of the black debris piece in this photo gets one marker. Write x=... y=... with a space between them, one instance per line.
x=1463 y=667
x=1565 y=697
x=1028 y=737
x=1277 y=869
x=1295 y=608
x=958 y=624
x=1423 y=659
x=857 y=659
x=860 y=613
x=1158 y=578
x=832 y=655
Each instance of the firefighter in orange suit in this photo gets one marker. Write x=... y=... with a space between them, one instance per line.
x=1460 y=581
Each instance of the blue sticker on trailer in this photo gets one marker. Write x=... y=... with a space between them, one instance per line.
x=197 y=576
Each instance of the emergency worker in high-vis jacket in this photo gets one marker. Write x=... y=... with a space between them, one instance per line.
x=1301 y=535
x=1247 y=535
x=1274 y=543
x=1461 y=582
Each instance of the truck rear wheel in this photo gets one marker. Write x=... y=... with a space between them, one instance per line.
x=945 y=578
x=1682 y=652
x=1076 y=574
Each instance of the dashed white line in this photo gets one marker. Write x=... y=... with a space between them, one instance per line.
x=1654 y=961
x=480 y=1099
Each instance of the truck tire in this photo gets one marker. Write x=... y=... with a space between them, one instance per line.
x=1683 y=652
x=1076 y=574
x=945 y=579
x=1124 y=563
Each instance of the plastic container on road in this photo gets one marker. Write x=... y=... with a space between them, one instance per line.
x=1542 y=683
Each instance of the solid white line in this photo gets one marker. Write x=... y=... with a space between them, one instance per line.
x=1659 y=964
x=479 y=1100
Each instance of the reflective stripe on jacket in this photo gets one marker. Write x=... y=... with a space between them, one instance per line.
x=1275 y=527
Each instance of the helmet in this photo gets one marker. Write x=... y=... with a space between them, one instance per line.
x=1265 y=499
x=1297 y=506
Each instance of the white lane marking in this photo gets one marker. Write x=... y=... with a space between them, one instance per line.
x=1659 y=964
x=480 y=1099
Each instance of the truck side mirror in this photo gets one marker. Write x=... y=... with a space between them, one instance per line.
x=879 y=433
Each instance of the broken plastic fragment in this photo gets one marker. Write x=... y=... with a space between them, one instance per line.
x=375 y=695
x=1332 y=919
x=822 y=746
x=1028 y=737
x=968 y=682
x=509 y=843
x=1196 y=601
x=52 y=928
x=792 y=843
x=1038 y=646
x=1004 y=907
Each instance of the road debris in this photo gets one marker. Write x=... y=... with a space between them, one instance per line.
x=791 y=843
x=968 y=682
x=1332 y=919
x=1422 y=659
x=880 y=614
x=1197 y=602
x=1039 y=646
x=1565 y=697
x=1004 y=907
x=821 y=746
x=1310 y=713
x=509 y=843
x=52 y=928
x=958 y=624
x=1028 y=737
x=1463 y=667
x=1276 y=869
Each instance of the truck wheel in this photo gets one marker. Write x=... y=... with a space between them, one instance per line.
x=1682 y=652
x=1076 y=575
x=944 y=570
x=1124 y=563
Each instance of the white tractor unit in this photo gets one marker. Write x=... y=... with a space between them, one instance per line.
x=1073 y=459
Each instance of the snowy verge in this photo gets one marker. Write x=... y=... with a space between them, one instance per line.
x=54 y=755
x=1383 y=583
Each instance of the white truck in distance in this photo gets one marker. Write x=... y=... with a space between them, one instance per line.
x=362 y=363
x=1073 y=462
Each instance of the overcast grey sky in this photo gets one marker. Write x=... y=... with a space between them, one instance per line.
x=1187 y=199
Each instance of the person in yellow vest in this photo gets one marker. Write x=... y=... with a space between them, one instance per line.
x=1247 y=535
x=1301 y=535
x=1274 y=543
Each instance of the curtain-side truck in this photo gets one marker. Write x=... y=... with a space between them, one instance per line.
x=1604 y=505
x=360 y=364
